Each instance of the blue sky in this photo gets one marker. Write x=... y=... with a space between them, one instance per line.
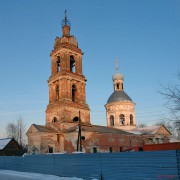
x=144 y=35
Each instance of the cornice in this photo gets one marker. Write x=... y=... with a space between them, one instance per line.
x=67 y=75
x=67 y=46
x=67 y=103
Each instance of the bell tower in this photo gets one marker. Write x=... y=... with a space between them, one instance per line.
x=67 y=95
x=120 y=109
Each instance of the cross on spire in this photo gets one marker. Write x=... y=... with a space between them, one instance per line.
x=65 y=15
x=117 y=67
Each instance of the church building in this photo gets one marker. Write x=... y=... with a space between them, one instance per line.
x=68 y=125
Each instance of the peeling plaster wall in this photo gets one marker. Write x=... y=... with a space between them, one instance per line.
x=101 y=141
x=40 y=143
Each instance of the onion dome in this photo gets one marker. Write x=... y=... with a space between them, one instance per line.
x=118 y=76
x=118 y=96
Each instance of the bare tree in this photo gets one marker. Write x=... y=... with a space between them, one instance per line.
x=166 y=123
x=141 y=125
x=17 y=131
x=172 y=94
x=11 y=130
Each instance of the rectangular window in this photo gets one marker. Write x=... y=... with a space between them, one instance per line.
x=110 y=149
x=50 y=150
x=94 y=149
x=120 y=149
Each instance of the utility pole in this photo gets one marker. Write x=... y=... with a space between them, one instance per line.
x=80 y=138
x=80 y=132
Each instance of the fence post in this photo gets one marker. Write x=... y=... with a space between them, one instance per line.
x=178 y=161
x=100 y=154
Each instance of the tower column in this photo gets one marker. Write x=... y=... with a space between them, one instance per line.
x=54 y=65
x=67 y=83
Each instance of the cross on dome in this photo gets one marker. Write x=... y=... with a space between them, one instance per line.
x=65 y=21
x=117 y=75
x=117 y=67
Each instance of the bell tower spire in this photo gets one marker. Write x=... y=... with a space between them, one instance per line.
x=67 y=95
x=118 y=79
x=65 y=23
x=65 y=15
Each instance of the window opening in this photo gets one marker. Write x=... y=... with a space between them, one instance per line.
x=131 y=119
x=117 y=86
x=76 y=119
x=120 y=149
x=58 y=64
x=50 y=150
x=72 y=64
x=55 y=119
x=122 y=86
x=73 y=93
x=112 y=120
x=122 y=119
x=94 y=149
x=110 y=149
x=57 y=92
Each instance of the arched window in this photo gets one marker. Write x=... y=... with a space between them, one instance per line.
x=111 y=120
x=58 y=64
x=117 y=86
x=131 y=120
x=122 y=119
x=72 y=64
x=57 y=92
x=122 y=86
x=55 y=119
x=76 y=119
x=149 y=141
x=73 y=92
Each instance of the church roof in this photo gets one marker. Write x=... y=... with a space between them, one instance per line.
x=46 y=129
x=117 y=96
x=99 y=129
x=148 y=130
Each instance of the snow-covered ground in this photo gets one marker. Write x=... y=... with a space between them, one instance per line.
x=15 y=175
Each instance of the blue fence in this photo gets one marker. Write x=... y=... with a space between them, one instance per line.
x=153 y=165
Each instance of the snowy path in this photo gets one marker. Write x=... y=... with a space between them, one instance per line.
x=15 y=175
